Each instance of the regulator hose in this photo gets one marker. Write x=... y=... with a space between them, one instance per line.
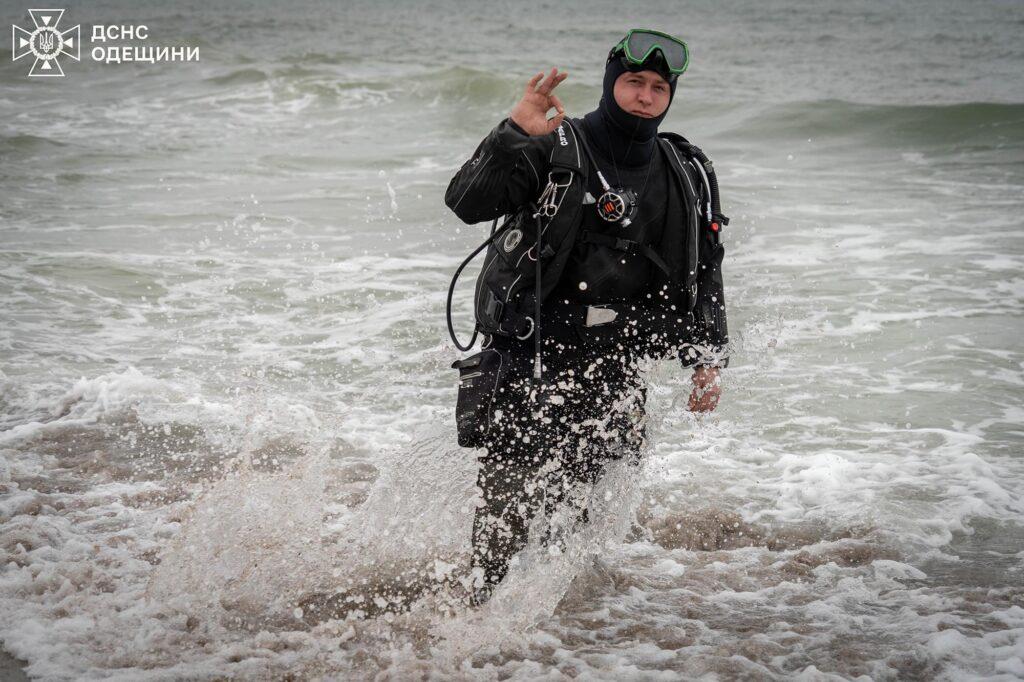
x=495 y=232
x=709 y=170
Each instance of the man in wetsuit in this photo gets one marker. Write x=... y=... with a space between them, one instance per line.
x=632 y=270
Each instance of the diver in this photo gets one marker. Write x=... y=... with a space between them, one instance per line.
x=610 y=252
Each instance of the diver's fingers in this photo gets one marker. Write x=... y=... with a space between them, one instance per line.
x=702 y=401
x=546 y=84
x=709 y=401
x=555 y=122
x=557 y=103
x=558 y=79
x=532 y=85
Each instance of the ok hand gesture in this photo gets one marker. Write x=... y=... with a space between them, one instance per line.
x=531 y=112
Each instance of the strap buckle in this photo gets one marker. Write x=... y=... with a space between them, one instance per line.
x=493 y=308
x=546 y=252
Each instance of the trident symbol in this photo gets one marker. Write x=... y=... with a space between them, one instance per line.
x=42 y=42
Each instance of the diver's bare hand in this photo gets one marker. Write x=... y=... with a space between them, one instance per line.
x=531 y=112
x=707 y=389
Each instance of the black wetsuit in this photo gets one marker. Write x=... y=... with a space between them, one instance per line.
x=598 y=274
x=547 y=447
x=537 y=461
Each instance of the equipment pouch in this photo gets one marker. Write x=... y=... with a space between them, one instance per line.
x=479 y=378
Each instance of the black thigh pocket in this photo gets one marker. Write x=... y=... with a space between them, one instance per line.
x=479 y=378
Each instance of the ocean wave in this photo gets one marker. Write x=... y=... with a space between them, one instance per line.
x=464 y=85
x=23 y=142
x=320 y=58
x=919 y=125
x=238 y=77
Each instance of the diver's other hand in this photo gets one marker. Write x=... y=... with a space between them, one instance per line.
x=531 y=112
x=707 y=389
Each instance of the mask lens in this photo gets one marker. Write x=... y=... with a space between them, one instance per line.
x=673 y=50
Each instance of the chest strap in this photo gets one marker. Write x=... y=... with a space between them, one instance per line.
x=624 y=245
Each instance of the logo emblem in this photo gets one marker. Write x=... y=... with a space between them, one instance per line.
x=45 y=42
x=561 y=137
x=611 y=207
x=512 y=240
x=617 y=206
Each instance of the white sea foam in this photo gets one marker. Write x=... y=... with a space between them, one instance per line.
x=224 y=385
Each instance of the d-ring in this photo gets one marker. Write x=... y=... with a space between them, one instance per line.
x=529 y=333
x=529 y=251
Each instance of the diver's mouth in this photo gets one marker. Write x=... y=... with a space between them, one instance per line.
x=641 y=114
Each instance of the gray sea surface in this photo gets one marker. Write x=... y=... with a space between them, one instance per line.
x=224 y=367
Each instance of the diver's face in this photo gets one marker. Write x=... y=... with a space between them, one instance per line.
x=642 y=93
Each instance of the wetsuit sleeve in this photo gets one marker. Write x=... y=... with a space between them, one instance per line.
x=504 y=173
x=712 y=338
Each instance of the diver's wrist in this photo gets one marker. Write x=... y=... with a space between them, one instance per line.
x=516 y=127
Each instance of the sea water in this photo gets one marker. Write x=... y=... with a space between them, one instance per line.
x=225 y=370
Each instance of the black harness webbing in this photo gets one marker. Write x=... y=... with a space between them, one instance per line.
x=624 y=245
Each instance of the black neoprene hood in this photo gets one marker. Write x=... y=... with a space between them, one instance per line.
x=619 y=135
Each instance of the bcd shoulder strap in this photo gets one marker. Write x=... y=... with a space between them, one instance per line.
x=716 y=220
